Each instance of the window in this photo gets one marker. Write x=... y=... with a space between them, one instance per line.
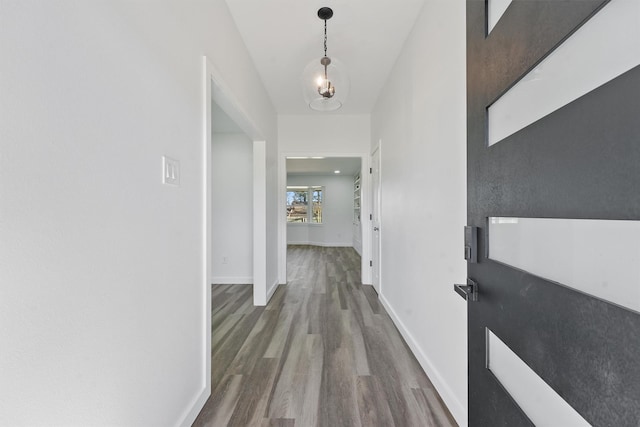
x=316 y=199
x=298 y=199
x=297 y=203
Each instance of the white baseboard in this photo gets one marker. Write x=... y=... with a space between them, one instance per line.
x=231 y=280
x=193 y=411
x=357 y=249
x=456 y=408
x=324 y=244
x=272 y=290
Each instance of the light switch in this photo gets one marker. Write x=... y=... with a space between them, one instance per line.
x=170 y=171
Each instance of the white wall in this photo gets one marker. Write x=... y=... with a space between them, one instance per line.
x=337 y=213
x=102 y=267
x=421 y=121
x=232 y=208
x=320 y=133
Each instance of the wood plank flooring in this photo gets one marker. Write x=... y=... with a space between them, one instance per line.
x=322 y=353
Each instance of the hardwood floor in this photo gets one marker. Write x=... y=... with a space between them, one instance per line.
x=323 y=353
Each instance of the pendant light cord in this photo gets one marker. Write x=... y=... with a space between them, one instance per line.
x=325 y=48
x=325 y=37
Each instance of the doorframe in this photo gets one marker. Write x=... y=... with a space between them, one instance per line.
x=365 y=206
x=377 y=148
x=215 y=90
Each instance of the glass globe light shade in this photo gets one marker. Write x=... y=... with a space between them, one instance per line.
x=313 y=79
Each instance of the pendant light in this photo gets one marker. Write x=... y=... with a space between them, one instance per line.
x=325 y=86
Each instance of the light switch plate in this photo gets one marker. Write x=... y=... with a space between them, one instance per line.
x=170 y=171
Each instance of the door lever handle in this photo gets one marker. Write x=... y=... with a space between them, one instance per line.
x=376 y=229
x=469 y=291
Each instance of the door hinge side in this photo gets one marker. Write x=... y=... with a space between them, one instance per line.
x=370 y=170
x=370 y=263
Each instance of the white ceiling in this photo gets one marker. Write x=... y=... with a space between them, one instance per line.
x=283 y=36
x=346 y=165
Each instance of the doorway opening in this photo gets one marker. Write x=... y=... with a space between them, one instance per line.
x=325 y=203
x=219 y=99
x=234 y=134
x=231 y=202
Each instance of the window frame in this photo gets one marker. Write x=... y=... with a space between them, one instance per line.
x=310 y=190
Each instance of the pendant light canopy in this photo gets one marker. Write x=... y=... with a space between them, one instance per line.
x=325 y=85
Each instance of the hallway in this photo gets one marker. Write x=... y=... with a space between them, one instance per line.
x=323 y=352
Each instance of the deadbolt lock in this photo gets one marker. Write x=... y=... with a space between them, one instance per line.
x=471 y=244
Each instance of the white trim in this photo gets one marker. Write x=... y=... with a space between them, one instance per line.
x=369 y=233
x=260 y=223
x=365 y=212
x=208 y=249
x=231 y=280
x=282 y=219
x=193 y=410
x=272 y=290
x=457 y=409
x=200 y=398
x=324 y=244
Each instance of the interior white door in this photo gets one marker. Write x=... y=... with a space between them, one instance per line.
x=375 y=219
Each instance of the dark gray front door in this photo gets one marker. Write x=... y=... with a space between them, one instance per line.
x=581 y=161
